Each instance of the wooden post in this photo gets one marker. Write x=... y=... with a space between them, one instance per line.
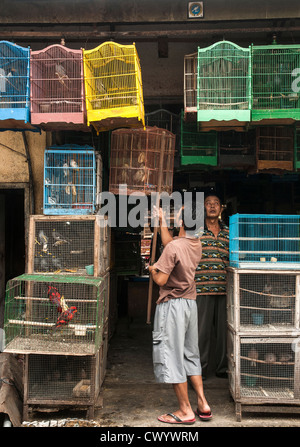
x=160 y=174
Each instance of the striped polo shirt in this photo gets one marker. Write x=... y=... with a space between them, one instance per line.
x=210 y=274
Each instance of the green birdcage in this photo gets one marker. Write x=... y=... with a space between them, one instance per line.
x=274 y=82
x=224 y=83
x=297 y=148
x=198 y=147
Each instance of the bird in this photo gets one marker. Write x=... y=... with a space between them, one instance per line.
x=65 y=317
x=61 y=73
x=253 y=354
x=270 y=357
x=59 y=238
x=43 y=240
x=74 y=165
x=66 y=172
x=55 y=297
x=51 y=201
x=139 y=176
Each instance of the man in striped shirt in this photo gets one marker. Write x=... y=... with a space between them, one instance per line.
x=210 y=280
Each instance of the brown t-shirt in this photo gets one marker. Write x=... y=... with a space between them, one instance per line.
x=179 y=260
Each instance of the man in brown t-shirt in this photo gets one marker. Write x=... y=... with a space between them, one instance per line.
x=175 y=331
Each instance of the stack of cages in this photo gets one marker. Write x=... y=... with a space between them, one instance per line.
x=57 y=88
x=224 y=84
x=71 y=180
x=275 y=148
x=14 y=83
x=263 y=312
x=113 y=87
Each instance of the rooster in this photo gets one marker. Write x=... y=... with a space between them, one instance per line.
x=65 y=317
x=57 y=299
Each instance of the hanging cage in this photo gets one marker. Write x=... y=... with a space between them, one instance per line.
x=190 y=86
x=113 y=87
x=275 y=92
x=57 y=88
x=70 y=179
x=223 y=91
x=14 y=82
x=237 y=149
x=135 y=160
x=275 y=147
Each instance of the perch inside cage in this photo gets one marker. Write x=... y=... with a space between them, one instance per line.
x=275 y=147
x=68 y=245
x=58 y=314
x=14 y=82
x=273 y=82
x=136 y=160
x=113 y=87
x=70 y=180
x=57 y=89
x=223 y=91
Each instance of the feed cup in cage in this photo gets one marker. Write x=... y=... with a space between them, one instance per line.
x=89 y=269
x=257 y=319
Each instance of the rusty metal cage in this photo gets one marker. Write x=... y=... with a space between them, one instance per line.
x=135 y=160
x=263 y=300
x=57 y=88
x=275 y=147
x=55 y=314
x=77 y=245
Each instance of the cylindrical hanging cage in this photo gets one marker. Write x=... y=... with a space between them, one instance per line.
x=135 y=160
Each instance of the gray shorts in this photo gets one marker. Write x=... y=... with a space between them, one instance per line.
x=175 y=341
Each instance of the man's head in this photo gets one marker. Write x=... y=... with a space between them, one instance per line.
x=212 y=205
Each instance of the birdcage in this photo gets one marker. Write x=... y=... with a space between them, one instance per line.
x=164 y=119
x=223 y=91
x=198 y=147
x=237 y=149
x=275 y=147
x=297 y=149
x=14 y=82
x=264 y=373
x=264 y=241
x=263 y=301
x=63 y=381
x=138 y=157
x=55 y=314
x=70 y=180
x=128 y=260
x=190 y=86
x=113 y=87
x=275 y=92
x=57 y=88
x=74 y=245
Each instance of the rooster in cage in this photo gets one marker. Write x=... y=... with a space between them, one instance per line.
x=57 y=299
x=65 y=317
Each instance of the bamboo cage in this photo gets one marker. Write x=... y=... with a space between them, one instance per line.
x=113 y=87
x=135 y=160
x=275 y=147
x=69 y=245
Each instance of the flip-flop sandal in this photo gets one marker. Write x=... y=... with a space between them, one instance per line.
x=204 y=416
x=177 y=420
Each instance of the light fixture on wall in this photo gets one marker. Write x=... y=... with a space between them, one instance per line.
x=195 y=10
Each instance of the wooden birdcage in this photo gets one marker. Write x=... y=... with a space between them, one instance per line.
x=135 y=160
x=223 y=91
x=275 y=147
x=113 y=87
x=190 y=86
x=57 y=88
x=274 y=82
x=14 y=82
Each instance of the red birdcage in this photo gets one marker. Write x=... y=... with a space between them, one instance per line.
x=57 y=89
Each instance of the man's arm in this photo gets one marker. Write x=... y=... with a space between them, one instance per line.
x=159 y=277
x=164 y=231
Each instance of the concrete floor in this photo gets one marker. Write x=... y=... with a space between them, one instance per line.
x=131 y=398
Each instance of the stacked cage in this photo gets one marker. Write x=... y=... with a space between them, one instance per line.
x=57 y=88
x=223 y=90
x=275 y=148
x=139 y=157
x=274 y=70
x=113 y=87
x=70 y=180
x=263 y=312
x=237 y=149
x=14 y=82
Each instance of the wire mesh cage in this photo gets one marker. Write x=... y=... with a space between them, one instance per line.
x=237 y=149
x=263 y=370
x=190 y=86
x=135 y=160
x=264 y=241
x=57 y=315
x=275 y=147
x=198 y=147
x=273 y=77
x=223 y=91
x=70 y=184
x=57 y=89
x=164 y=119
x=128 y=260
x=297 y=149
x=14 y=82
x=113 y=87
x=74 y=245
x=263 y=301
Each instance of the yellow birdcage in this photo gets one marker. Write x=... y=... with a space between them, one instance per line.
x=113 y=87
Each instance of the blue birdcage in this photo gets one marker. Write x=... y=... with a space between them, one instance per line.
x=263 y=241
x=69 y=180
x=14 y=82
